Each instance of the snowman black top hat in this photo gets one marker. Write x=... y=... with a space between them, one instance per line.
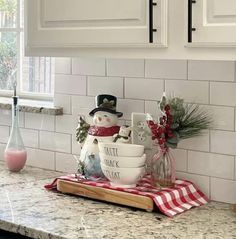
x=106 y=103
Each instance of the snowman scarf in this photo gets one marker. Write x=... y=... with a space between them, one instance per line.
x=103 y=131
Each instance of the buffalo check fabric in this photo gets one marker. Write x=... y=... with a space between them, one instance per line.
x=170 y=201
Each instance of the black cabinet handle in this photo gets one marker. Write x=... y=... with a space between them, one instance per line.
x=190 y=19
x=151 y=28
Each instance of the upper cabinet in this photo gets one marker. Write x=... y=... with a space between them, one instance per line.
x=177 y=29
x=95 y=23
x=212 y=22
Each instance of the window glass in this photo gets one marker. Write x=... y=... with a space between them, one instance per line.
x=34 y=75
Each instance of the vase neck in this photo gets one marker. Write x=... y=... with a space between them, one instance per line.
x=164 y=149
x=15 y=116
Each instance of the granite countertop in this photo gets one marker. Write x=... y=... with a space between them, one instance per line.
x=28 y=209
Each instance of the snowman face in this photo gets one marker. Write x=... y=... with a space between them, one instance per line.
x=104 y=119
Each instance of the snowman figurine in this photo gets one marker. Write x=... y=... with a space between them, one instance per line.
x=105 y=119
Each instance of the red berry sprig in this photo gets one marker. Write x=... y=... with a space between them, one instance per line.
x=162 y=132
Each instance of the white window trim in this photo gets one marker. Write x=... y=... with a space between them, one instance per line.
x=8 y=93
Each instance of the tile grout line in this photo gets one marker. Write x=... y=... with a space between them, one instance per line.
x=105 y=67
x=234 y=119
x=71 y=108
x=124 y=87
x=209 y=92
x=144 y=106
x=187 y=77
x=55 y=164
x=210 y=141
x=234 y=168
x=209 y=184
x=234 y=71
x=205 y=175
x=201 y=151
x=39 y=137
x=153 y=78
x=71 y=142
x=139 y=99
x=187 y=163
x=86 y=85
x=71 y=64
x=144 y=68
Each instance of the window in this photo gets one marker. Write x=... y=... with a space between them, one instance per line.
x=34 y=75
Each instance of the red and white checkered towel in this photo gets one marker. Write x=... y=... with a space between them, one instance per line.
x=170 y=201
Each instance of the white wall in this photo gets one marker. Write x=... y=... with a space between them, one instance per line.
x=209 y=160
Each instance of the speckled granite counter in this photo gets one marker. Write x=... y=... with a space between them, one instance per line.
x=28 y=209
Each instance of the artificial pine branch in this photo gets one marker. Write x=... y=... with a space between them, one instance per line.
x=82 y=130
x=192 y=121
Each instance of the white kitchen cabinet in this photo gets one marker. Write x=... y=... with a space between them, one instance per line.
x=95 y=23
x=123 y=29
x=213 y=22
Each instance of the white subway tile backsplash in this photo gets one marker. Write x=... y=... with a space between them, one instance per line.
x=152 y=107
x=63 y=65
x=197 y=143
x=70 y=84
x=166 y=69
x=128 y=106
x=215 y=165
x=6 y=118
x=81 y=106
x=55 y=141
x=140 y=88
x=4 y=134
x=105 y=85
x=223 y=190
x=223 y=142
x=82 y=102
x=76 y=148
x=223 y=93
x=84 y=113
x=223 y=117
x=190 y=91
x=89 y=66
x=63 y=101
x=30 y=137
x=125 y=67
x=180 y=157
x=235 y=168
x=202 y=182
x=40 y=159
x=2 y=150
x=66 y=124
x=66 y=163
x=39 y=121
x=211 y=70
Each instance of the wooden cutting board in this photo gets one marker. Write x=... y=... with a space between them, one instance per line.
x=105 y=194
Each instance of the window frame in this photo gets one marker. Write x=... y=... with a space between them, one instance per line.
x=18 y=29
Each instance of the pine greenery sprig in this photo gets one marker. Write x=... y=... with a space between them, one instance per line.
x=82 y=130
x=192 y=122
x=179 y=121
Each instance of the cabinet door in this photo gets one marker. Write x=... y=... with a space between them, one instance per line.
x=213 y=22
x=96 y=23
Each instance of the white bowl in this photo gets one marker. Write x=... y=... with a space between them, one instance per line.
x=121 y=150
x=123 y=177
x=122 y=162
